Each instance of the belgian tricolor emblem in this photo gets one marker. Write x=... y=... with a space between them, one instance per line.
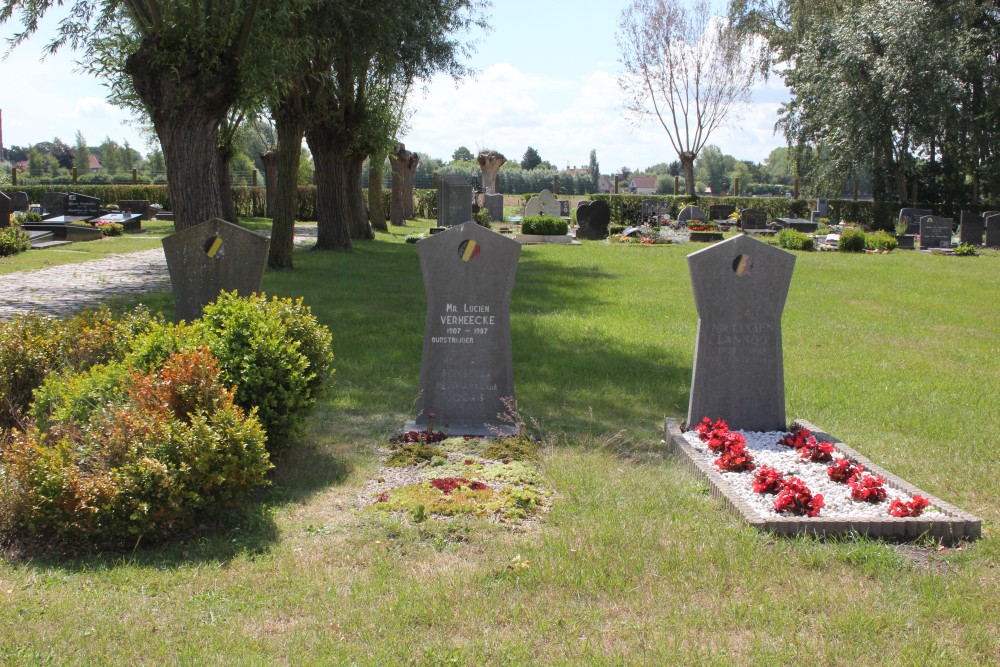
x=468 y=250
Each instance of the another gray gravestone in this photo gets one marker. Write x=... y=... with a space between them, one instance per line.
x=970 y=229
x=563 y=208
x=494 y=205
x=653 y=211
x=753 y=218
x=822 y=207
x=454 y=201
x=740 y=286
x=83 y=205
x=544 y=204
x=720 y=211
x=467 y=370
x=691 y=213
x=935 y=232
x=19 y=201
x=993 y=231
x=594 y=221
x=53 y=203
x=911 y=216
x=211 y=257
x=5 y=210
x=140 y=206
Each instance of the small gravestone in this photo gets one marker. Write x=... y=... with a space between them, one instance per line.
x=740 y=286
x=720 y=211
x=563 y=208
x=544 y=204
x=753 y=218
x=467 y=369
x=454 y=201
x=5 y=210
x=970 y=229
x=494 y=205
x=912 y=216
x=211 y=257
x=691 y=213
x=83 y=206
x=19 y=201
x=53 y=203
x=935 y=232
x=822 y=207
x=594 y=219
x=140 y=206
x=993 y=231
x=653 y=211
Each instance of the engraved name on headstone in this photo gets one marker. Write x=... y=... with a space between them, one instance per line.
x=83 y=205
x=911 y=216
x=467 y=369
x=935 y=232
x=720 y=211
x=211 y=257
x=753 y=218
x=740 y=286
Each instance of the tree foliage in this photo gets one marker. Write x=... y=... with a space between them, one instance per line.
x=530 y=159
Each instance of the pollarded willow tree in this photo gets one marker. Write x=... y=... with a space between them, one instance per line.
x=684 y=67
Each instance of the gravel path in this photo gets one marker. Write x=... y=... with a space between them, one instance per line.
x=62 y=290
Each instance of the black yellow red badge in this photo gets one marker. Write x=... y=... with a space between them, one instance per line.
x=468 y=250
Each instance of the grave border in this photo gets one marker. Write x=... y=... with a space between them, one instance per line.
x=957 y=525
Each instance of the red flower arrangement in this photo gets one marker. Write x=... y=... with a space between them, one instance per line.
x=842 y=470
x=795 y=497
x=796 y=439
x=706 y=428
x=914 y=507
x=448 y=484
x=735 y=457
x=768 y=480
x=818 y=452
x=867 y=489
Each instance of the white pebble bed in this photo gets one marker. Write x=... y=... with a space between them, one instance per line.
x=837 y=501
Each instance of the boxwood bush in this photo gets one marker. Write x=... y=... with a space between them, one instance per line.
x=13 y=240
x=794 y=240
x=880 y=240
x=851 y=240
x=544 y=225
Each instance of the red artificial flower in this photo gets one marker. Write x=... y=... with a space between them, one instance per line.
x=866 y=488
x=706 y=428
x=843 y=470
x=819 y=452
x=735 y=457
x=768 y=480
x=796 y=439
x=795 y=497
x=914 y=507
x=720 y=443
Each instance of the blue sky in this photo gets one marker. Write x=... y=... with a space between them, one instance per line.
x=546 y=78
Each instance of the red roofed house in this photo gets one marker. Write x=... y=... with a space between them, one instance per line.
x=642 y=185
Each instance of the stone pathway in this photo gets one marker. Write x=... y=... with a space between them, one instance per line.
x=61 y=290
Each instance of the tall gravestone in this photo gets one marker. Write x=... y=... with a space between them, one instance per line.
x=19 y=201
x=83 y=205
x=454 y=201
x=594 y=218
x=494 y=205
x=211 y=257
x=53 y=203
x=935 y=232
x=139 y=206
x=993 y=231
x=912 y=216
x=544 y=204
x=720 y=211
x=753 y=218
x=5 y=210
x=691 y=213
x=740 y=286
x=467 y=369
x=970 y=229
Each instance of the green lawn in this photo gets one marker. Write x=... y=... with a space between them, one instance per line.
x=635 y=564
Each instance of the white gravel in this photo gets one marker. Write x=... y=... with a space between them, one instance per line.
x=764 y=448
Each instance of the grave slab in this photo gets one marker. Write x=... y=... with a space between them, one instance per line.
x=970 y=229
x=935 y=232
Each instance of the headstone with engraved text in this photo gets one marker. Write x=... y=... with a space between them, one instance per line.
x=83 y=206
x=911 y=216
x=935 y=232
x=753 y=218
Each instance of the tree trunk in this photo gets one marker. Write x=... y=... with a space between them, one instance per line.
x=687 y=165
x=332 y=209
x=357 y=223
x=226 y=186
x=397 y=207
x=284 y=173
x=375 y=210
x=411 y=169
x=270 y=160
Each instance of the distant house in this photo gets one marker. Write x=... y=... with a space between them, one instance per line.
x=605 y=184
x=93 y=164
x=642 y=185
x=578 y=171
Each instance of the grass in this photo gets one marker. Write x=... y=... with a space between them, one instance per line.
x=635 y=564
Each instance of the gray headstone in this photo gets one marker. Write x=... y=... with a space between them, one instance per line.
x=594 y=218
x=467 y=369
x=970 y=228
x=563 y=208
x=993 y=231
x=822 y=207
x=544 y=204
x=753 y=218
x=211 y=257
x=5 y=210
x=740 y=286
x=720 y=211
x=912 y=218
x=691 y=213
x=653 y=211
x=135 y=206
x=494 y=204
x=83 y=205
x=454 y=201
x=53 y=203
x=19 y=201
x=935 y=232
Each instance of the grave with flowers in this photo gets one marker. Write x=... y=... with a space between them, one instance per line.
x=785 y=478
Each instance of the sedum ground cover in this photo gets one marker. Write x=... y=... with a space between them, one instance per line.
x=633 y=563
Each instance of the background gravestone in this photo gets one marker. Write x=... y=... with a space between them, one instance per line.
x=993 y=231
x=740 y=286
x=140 y=206
x=691 y=213
x=594 y=219
x=82 y=205
x=5 y=210
x=653 y=211
x=720 y=211
x=211 y=257
x=935 y=232
x=544 y=204
x=970 y=229
x=53 y=203
x=494 y=205
x=467 y=369
x=19 y=201
x=822 y=207
x=912 y=218
x=454 y=201
x=753 y=218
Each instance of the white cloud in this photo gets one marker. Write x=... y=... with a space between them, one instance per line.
x=95 y=107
